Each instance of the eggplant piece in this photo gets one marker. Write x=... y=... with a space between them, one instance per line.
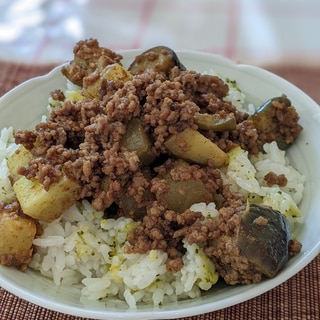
x=130 y=207
x=191 y=145
x=215 y=122
x=159 y=59
x=134 y=205
x=111 y=73
x=276 y=120
x=88 y=57
x=136 y=139
x=263 y=238
x=181 y=195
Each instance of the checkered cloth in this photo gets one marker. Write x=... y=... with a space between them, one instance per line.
x=248 y=31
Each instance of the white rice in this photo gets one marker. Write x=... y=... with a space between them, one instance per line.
x=236 y=97
x=84 y=249
x=7 y=148
x=246 y=175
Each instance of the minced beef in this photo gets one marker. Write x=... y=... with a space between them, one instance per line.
x=83 y=140
x=89 y=131
x=277 y=120
x=157 y=231
x=58 y=95
x=274 y=179
x=88 y=57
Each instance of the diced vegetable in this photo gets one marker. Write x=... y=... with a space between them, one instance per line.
x=88 y=57
x=136 y=139
x=34 y=200
x=192 y=146
x=17 y=234
x=44 y=205
x=215 y=122
x=159 y=59
x=114 y=72
x=181 y=195
x=263 y=238
x=19 y=159
x=129 y=205
x=135 y=204
x=268 y=120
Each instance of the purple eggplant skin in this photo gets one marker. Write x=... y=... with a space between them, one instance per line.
x=159 y=59
x=276 y=120
x=263 y=238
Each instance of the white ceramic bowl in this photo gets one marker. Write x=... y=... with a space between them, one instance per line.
x=23 y=107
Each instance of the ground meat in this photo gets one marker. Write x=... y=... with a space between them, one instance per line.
x=164 y=229
x=57 y=94
x=233 y=267
x=200 y=87
x=261 y=221
x=84 y=141
x=219 y=238
x=20 y=263
x=245 y=136
x=42 y=171
x=174 y=265
x=294 y=247
x=88 y=57
x=124 y=104
x=167 y=110
x=273 y=179
x=278 y=122
x=12 y=207
x=82 y=138
x=159 y=229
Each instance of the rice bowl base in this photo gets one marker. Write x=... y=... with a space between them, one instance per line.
x=259 y=86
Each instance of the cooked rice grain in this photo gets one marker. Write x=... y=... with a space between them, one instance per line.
x=85 y=247
x=7 y=148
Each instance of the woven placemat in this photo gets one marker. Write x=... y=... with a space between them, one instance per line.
x=296 y=299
